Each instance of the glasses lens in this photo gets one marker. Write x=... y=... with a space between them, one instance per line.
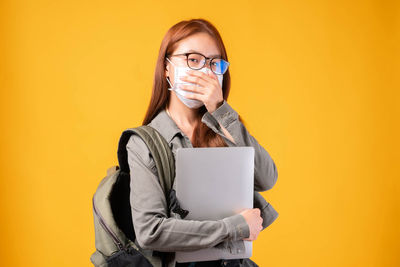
x=219 y=66
x=195 y=61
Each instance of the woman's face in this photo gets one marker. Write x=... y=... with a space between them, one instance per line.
x=201 y=43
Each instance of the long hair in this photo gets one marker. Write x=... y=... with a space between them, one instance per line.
x=203 y=136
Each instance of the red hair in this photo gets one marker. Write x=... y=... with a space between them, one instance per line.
x=203 y=136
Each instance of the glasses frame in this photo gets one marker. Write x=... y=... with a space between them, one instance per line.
x=205 y=62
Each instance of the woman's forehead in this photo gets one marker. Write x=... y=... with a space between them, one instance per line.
x=200 y=42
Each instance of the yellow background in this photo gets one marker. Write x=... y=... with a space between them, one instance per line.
x=315 y=81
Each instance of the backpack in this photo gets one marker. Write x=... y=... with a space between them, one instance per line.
x=114 y=230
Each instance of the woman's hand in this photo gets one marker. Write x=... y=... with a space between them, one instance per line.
x=206 y=88
x=254 y=221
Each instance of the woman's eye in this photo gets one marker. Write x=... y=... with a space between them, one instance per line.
x=193 y=59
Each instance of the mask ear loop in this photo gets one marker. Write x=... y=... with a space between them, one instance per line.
x=171 y=88
x=169 y=82
x=169 y=61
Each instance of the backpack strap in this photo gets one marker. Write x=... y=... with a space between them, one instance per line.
x=164 y=161
x=160 y=151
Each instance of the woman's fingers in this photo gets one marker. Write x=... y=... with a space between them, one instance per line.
x=213 y=76
x=195 y=96
x=203 y=87
x=200 y=77
x=192 y=88
x=192 y=92
x=195 y=80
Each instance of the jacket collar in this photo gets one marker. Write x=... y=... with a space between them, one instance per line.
x=165 y=125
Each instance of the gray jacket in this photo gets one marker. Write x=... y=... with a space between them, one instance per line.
x=154 y=231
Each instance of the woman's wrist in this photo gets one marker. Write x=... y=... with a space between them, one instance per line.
x=216 y=106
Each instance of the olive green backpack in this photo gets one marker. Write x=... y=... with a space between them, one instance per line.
x=114 y=230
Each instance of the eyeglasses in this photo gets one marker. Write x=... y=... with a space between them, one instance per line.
x=197 y=61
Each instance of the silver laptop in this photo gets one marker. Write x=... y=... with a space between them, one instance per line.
x=214 y=183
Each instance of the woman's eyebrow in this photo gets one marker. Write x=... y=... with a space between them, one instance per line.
x=194 y=51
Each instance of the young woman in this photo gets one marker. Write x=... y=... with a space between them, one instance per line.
x=192 y=115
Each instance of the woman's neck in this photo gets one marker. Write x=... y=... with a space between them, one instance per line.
x=181 y=114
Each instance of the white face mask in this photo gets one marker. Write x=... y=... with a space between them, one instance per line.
x=180 y=72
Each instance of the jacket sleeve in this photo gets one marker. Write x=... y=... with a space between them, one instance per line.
x=153 y=229
x=265 y=172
